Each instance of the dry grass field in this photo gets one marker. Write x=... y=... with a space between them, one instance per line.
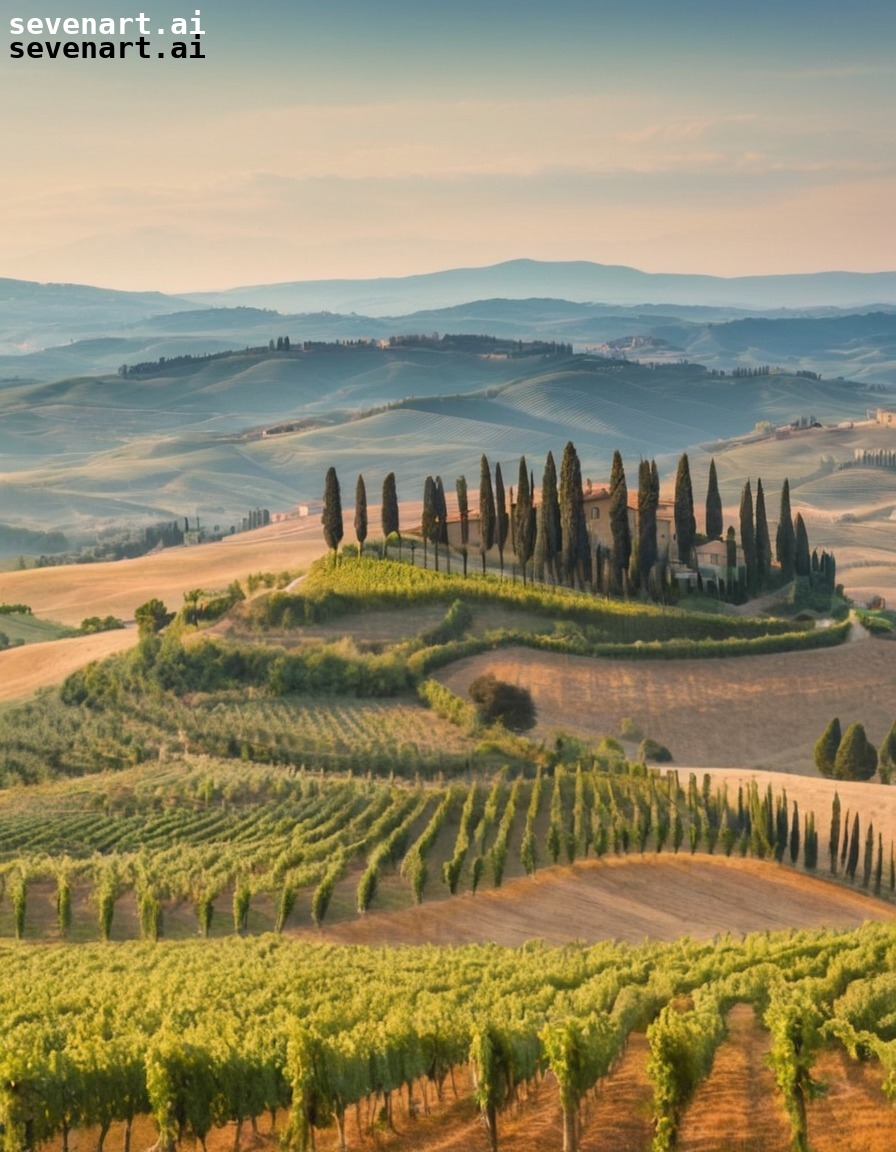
x=622 y=898
x=71 y=592
x=756 y=711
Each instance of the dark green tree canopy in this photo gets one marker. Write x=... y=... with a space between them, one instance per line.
x=486 y=509
x=619 y=525
x=502 y=521
x=332 y=513
x=748 y=535
x=575 y=549
x=826 y=748
x=802 y=559
x=714 y=522
x=389 y=510
x=497 y=700
x=856 y=757
x=685 y=523
x=785 y=541
x=360 y=513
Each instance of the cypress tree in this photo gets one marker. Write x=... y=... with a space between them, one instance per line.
x=522 y=519
x=731 y=559
x=547 y=547
x=826 y=748
x=389 y=513
x=442 y=524
x=868 y=860
x=834 y=839
x=463 y=511
x=429 y=522
x=785 y=542
x=714 y=522
x=795 y=834
x=879 y=866
x=763 y=542
x=748 y=535
x=360 y=514
x=648 y=500
x=573 y=529
x=685 y=522
x=886 y=757
x=619 y=526
x=332 y=513
x=856 y=757
x=852 y=860
x=802 y=563
x=502 y=521
x=486 y=509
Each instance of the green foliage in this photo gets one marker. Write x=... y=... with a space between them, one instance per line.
x=826 y=748
x=650 y=749
x=714 y=522
x=685 y=521
x=331 y=517
x=92 y=624
x=498 y=701
x=152 y=617
x=886 y=756
x=856 y=758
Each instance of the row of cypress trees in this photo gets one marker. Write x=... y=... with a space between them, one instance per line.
x=552 y=536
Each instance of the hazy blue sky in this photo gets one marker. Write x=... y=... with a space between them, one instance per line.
x=382 y=137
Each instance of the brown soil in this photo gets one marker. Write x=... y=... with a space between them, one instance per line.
x=738 y=1107
x=758 y=711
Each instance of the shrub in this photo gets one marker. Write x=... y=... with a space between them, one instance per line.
x=496 y=700
x=826 y=748
x=653 y=750
x=856 y=757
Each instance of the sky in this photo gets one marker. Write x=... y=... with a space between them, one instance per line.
x=364 y=138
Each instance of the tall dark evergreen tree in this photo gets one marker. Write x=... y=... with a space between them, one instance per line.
x=714 y=522
x=886 y=756
x=748 y=536
x=463 y=512
x=360 y=514
x=524 y=542
x=685 y=522
x=619 y=525
x=826 y=748
x=856 y=757
x=572 y=518
x=332 y=513
x=442 y=523
x=429 y=522
x=802 y=559
x=785 y=541
x=486 y=509
x=763 y=542
x=852 y=859
x=502 y=521
x=834 y=839
x=648 y=502
x=547 y=544
x=731 y=559
x=389 y=513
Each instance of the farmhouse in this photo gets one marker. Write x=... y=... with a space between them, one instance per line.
x=886 y=416
x=597 y=521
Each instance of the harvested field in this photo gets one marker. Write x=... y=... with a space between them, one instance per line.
x=71 y=592
x=751 y=711
x=34 y=666
x=623 y=898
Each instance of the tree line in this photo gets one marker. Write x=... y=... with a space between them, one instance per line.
x=549 y=540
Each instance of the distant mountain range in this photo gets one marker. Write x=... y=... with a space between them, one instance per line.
x=579 y=280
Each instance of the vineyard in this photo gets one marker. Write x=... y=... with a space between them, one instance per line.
x=299 y=848
x=310 y=1035
x=174 y=817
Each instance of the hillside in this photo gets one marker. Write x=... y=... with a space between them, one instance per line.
x=88 y=451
